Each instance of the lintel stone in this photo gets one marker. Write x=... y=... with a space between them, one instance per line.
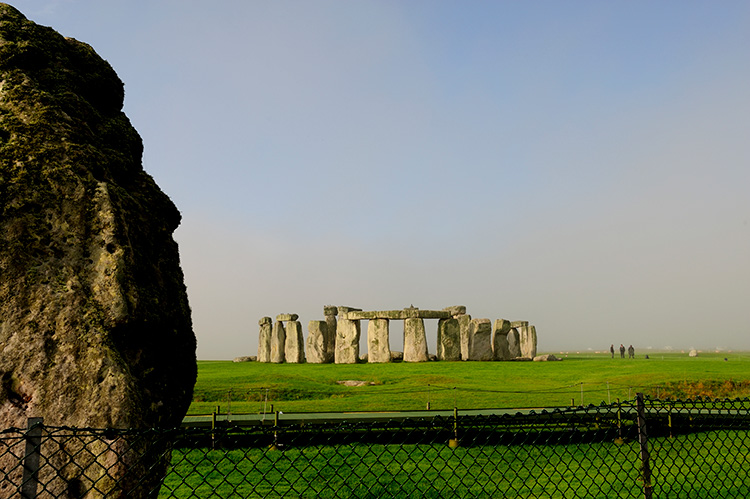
x=408 y=313
x=287 y=317
x=346 y=310
x=456 y=310
x=517 y=324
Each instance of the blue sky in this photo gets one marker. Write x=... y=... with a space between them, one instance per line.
x=581 y=165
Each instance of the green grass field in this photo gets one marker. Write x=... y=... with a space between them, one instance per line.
x=589 y=379
x=701 y=466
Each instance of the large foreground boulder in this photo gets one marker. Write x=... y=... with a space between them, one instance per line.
x=95 y=327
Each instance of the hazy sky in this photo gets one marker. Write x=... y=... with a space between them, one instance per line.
x=583 y=165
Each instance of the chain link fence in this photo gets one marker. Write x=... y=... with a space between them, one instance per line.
x=643 y=448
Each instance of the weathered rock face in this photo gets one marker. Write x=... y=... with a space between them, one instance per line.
x=278 y=342
x=294 y=344
x=264 y=340
x=480 y=340
x=463 y=327
x=347 y=341
x=448 y=340
x=514 y=343
x=378 y=347
x=95 y=326
x=92 y=299
x=500 y=340
x=415 y=341
x=330 y=313
x=316 y=339
x=545 y=358
x=527 y=336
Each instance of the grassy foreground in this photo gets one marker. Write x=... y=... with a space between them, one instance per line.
x=589 y=379
x=594 y=470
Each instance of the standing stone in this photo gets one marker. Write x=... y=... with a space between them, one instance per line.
x=514 y=343
x=463 y=327
x=500 y=348
x=448 y=340
x=378 y=346
x=264 y=340
x=95 y=326
x=480 y=339
x=528 y=341
x=294 y=345
x=278 y=342
x=415 y=341
x=347 y=341
x=316 y=334
x=330 y=312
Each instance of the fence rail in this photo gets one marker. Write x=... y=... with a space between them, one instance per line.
x=640 y=448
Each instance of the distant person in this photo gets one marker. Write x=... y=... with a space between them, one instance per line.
x=631 y=352
x=622 y=351
x=612 y=350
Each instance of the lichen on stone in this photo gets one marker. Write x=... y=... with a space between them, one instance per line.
x=95 y=326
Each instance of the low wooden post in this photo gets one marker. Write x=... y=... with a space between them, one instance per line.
x=31 y=457
x=213 y=429
x=643 y=442
x=454 y=442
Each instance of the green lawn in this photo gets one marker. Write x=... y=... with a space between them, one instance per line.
x=702 y=466
x=242 y=387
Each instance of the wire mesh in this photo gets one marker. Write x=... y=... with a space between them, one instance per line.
x=696 y=448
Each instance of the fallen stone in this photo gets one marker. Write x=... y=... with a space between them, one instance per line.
x=448 y=340
x=347 y=341
x=242 y=359
x=415 y=341
x=287 y=317
x=363 y=358
x=545 y=358
x=397 y=356
x=95 y=326
x=278 y=342
x=432 y=357
x=378 y=346
x=264 y=340
x=693 y=353
x=355 y=382
x=480 y=335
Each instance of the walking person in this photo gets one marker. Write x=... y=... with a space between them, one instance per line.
x=612 y=350
x=622 y=351
x=631 y=352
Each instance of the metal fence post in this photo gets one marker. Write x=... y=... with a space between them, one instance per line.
x=643 y=442
x=31 y=457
